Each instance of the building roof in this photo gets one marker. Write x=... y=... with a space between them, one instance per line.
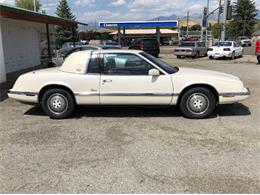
x=145 y=31
x=12 y=12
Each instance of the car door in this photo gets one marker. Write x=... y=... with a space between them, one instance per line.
x=237 y=49
x=87 y=85
x=125 y=80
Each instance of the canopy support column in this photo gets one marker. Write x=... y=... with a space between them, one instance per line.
x=48 y=41
x=158 y=34
x=119 y=35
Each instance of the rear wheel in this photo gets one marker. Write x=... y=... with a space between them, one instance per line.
x=179 y=57
x=57 y=103
x=232 y=56
x=211 y=58
x=197 y=103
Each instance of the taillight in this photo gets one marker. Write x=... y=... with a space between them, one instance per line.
x=226 y=49
x=142 y=46
x=188 y=50
x=176 y=50
x=257 y=48
x=210 y=49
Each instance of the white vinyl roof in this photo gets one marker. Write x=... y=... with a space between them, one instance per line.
x=145 y=31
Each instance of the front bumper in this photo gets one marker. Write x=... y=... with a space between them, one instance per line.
x=232 y=97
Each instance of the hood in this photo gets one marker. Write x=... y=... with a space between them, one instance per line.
x=192 y=72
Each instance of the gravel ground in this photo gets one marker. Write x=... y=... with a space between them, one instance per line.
x=135 y=150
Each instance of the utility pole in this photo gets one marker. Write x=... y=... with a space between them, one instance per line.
x=188 y=18
x=223 y=32
x=219 y=11
x=207 y=25
x=34 y=5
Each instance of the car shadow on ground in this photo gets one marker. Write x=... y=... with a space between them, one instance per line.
x=127 y=111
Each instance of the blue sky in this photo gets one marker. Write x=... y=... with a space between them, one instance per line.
x=116 y=10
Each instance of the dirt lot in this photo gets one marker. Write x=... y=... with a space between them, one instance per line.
x=135 y=150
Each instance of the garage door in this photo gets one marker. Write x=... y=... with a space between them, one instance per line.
x=21 y=47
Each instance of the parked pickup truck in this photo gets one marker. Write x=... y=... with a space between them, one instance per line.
x=257 y=50
x=193 y=49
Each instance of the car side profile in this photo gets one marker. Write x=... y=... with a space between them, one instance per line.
x=126 y=77
x=227 y=49
x=193 y=49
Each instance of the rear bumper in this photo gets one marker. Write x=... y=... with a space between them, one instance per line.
x=184 y=53
x=23 y=96
x=226 y=54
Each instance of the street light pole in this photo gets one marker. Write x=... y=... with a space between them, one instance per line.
x=188 y=18
x=223 y=32
x=34 y=5
x=207 y=25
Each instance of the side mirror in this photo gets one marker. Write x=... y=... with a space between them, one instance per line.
x=154 y=72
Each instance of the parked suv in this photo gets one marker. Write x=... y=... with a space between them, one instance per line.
x=148 y=45
x=257 y=50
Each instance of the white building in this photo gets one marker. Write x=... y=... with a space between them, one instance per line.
x=20 y=37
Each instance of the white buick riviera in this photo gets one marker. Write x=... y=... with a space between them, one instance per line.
x=126 y=77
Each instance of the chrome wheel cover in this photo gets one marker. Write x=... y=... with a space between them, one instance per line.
x=197 y=103
x=57 y=103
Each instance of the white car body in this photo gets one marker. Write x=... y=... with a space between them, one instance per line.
x=103 y=89
x=228 y=49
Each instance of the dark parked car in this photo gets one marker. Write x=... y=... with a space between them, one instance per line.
x=148 y=45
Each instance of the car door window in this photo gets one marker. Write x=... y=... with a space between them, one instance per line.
x=125 y=64
x=93 y=66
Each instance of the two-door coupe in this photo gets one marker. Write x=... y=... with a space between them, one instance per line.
x=126 y=77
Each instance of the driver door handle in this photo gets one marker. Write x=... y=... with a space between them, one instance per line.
x=107 y=81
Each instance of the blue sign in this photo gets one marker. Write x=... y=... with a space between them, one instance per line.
x=138 y=24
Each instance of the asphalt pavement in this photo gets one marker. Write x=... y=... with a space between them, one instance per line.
x=135 y=150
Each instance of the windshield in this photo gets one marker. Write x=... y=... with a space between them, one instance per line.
x=187 y=44
x=163 y=65
x=223 y=44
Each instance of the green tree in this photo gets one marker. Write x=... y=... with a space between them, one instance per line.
x=216 y=30
x=244 y=19
x=28 y=4
x=195 y=27
x=257 y=26
x=64 y=34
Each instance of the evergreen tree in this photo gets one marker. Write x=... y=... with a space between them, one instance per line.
x=244 y=19
x=28 y=4
x=64 y=34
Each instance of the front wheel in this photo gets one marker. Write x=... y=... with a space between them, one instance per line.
x=57 y=103
x=197 y=103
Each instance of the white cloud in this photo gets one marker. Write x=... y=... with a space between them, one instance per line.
x=84 y=2
x=119 y=2
x=7 y=1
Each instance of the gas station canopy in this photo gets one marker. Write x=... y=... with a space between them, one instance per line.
x=139 y=24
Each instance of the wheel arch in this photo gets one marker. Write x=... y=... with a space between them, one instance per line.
x=204 y=85
x=55 y=86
